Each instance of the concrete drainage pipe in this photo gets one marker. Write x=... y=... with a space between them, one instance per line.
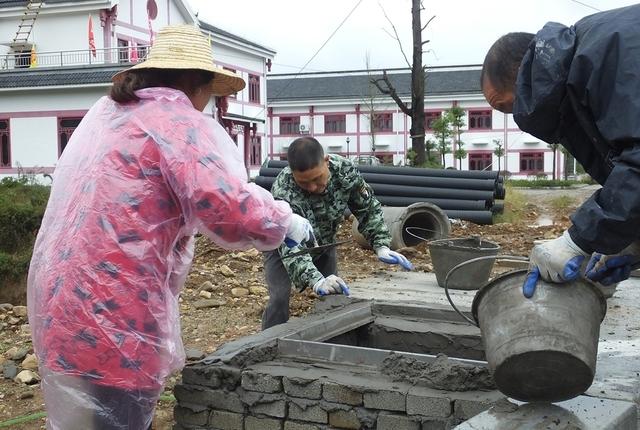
x=429 y=220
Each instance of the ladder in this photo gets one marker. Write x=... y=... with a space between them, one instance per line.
x=21 y=40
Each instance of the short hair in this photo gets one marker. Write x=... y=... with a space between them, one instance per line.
x=186 y=80
x=503 y=60
x=304 y=153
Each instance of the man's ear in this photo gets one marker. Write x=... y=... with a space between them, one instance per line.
x=326 y=158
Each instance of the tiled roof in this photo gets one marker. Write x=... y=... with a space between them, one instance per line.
x=46 y=77
x=437 y=82
x=213 y=29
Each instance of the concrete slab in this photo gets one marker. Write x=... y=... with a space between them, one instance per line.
x=581 y=413
x=618 y=367
x=412 y=287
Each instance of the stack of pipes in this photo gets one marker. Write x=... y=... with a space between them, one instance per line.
x=467 y=195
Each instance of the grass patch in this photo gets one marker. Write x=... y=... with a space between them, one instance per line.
x=562 y=202
x=514 y=205
x=546 y=183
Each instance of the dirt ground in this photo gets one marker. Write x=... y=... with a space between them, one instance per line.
x=233 y=285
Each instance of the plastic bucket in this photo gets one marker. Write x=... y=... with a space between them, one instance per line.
x=448 y=253
x=543 y=348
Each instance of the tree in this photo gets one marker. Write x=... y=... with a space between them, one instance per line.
x=569 y=162
x=498 y=151
x=369 y=102
x=554 y=150
x=456 y=119
x=442 y=131
x=459 y=154
x=429 y=147
x=416 y=109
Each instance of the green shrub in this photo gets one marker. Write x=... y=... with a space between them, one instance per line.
x=22 y=205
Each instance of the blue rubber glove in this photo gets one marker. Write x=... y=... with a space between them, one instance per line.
x=610 y=269
x=332 y=284
x=300 y=230
x=391 y=257
x=557 y=260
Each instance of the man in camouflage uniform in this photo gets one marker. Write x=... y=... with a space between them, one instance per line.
x=320 y=188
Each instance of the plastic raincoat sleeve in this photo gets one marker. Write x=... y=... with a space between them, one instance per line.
x=204 y=169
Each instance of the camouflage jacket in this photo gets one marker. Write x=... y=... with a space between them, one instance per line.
x=346 y=188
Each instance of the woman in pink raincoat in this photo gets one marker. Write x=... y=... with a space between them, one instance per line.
x=143 y=172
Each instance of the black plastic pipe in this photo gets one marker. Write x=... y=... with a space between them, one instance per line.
x=413 y=171
x=478 y=217
x=497 y=208
x=418 y=194
x=419 y=181
x=435 y=193
x=469 y=205
x=475 y=216
x=430 y=182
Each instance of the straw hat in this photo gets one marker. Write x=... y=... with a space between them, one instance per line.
x=185 y=47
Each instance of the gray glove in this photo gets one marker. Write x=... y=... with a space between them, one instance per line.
x=332 y=284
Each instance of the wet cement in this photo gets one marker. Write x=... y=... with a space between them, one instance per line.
x=441 y=374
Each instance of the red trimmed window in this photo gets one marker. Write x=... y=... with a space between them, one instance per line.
x=5 y=144
x=123 y=51
x=289 y=125
x=383 y=122
x=255 y=149
x=254 y=88
x=480 y=161
x=66 y=127
x=532 y=162
x=479 y=119
x=234 y=95
x=429 y=117
x=335 y=123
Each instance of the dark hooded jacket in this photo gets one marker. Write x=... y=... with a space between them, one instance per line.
x=580 y=86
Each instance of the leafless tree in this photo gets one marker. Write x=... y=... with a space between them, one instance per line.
x=416 y=109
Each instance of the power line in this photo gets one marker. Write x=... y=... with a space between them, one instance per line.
x=587 y=5
x=317 y=52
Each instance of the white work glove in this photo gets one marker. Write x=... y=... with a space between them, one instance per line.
x=391 y=257
x=611 y=269
x=557 y=260
x=300 y=230
x=332 y=284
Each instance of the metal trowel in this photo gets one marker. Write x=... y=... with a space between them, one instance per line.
x=316 y=249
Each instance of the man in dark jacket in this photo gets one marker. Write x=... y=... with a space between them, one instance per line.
x=580 y=86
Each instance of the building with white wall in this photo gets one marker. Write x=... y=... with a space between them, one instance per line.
x=52 y=75
x=336 y=108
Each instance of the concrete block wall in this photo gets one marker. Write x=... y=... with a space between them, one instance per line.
x=289 y=395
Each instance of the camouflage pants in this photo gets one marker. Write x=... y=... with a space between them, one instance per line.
x=279 y=284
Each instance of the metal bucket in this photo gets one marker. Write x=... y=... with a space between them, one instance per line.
x=448 y=253
x=542 y=349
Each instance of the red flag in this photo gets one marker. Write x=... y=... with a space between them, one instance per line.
x=92 y=41
x=133 y=53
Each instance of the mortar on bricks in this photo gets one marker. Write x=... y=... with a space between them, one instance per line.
x=359 y=365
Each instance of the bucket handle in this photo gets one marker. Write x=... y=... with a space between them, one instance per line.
x=424 y=239
x=513 y=258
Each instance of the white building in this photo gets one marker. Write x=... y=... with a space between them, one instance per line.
x=335 y=109
x=50 y=75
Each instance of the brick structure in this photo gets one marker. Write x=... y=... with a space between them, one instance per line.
x=313 y=374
